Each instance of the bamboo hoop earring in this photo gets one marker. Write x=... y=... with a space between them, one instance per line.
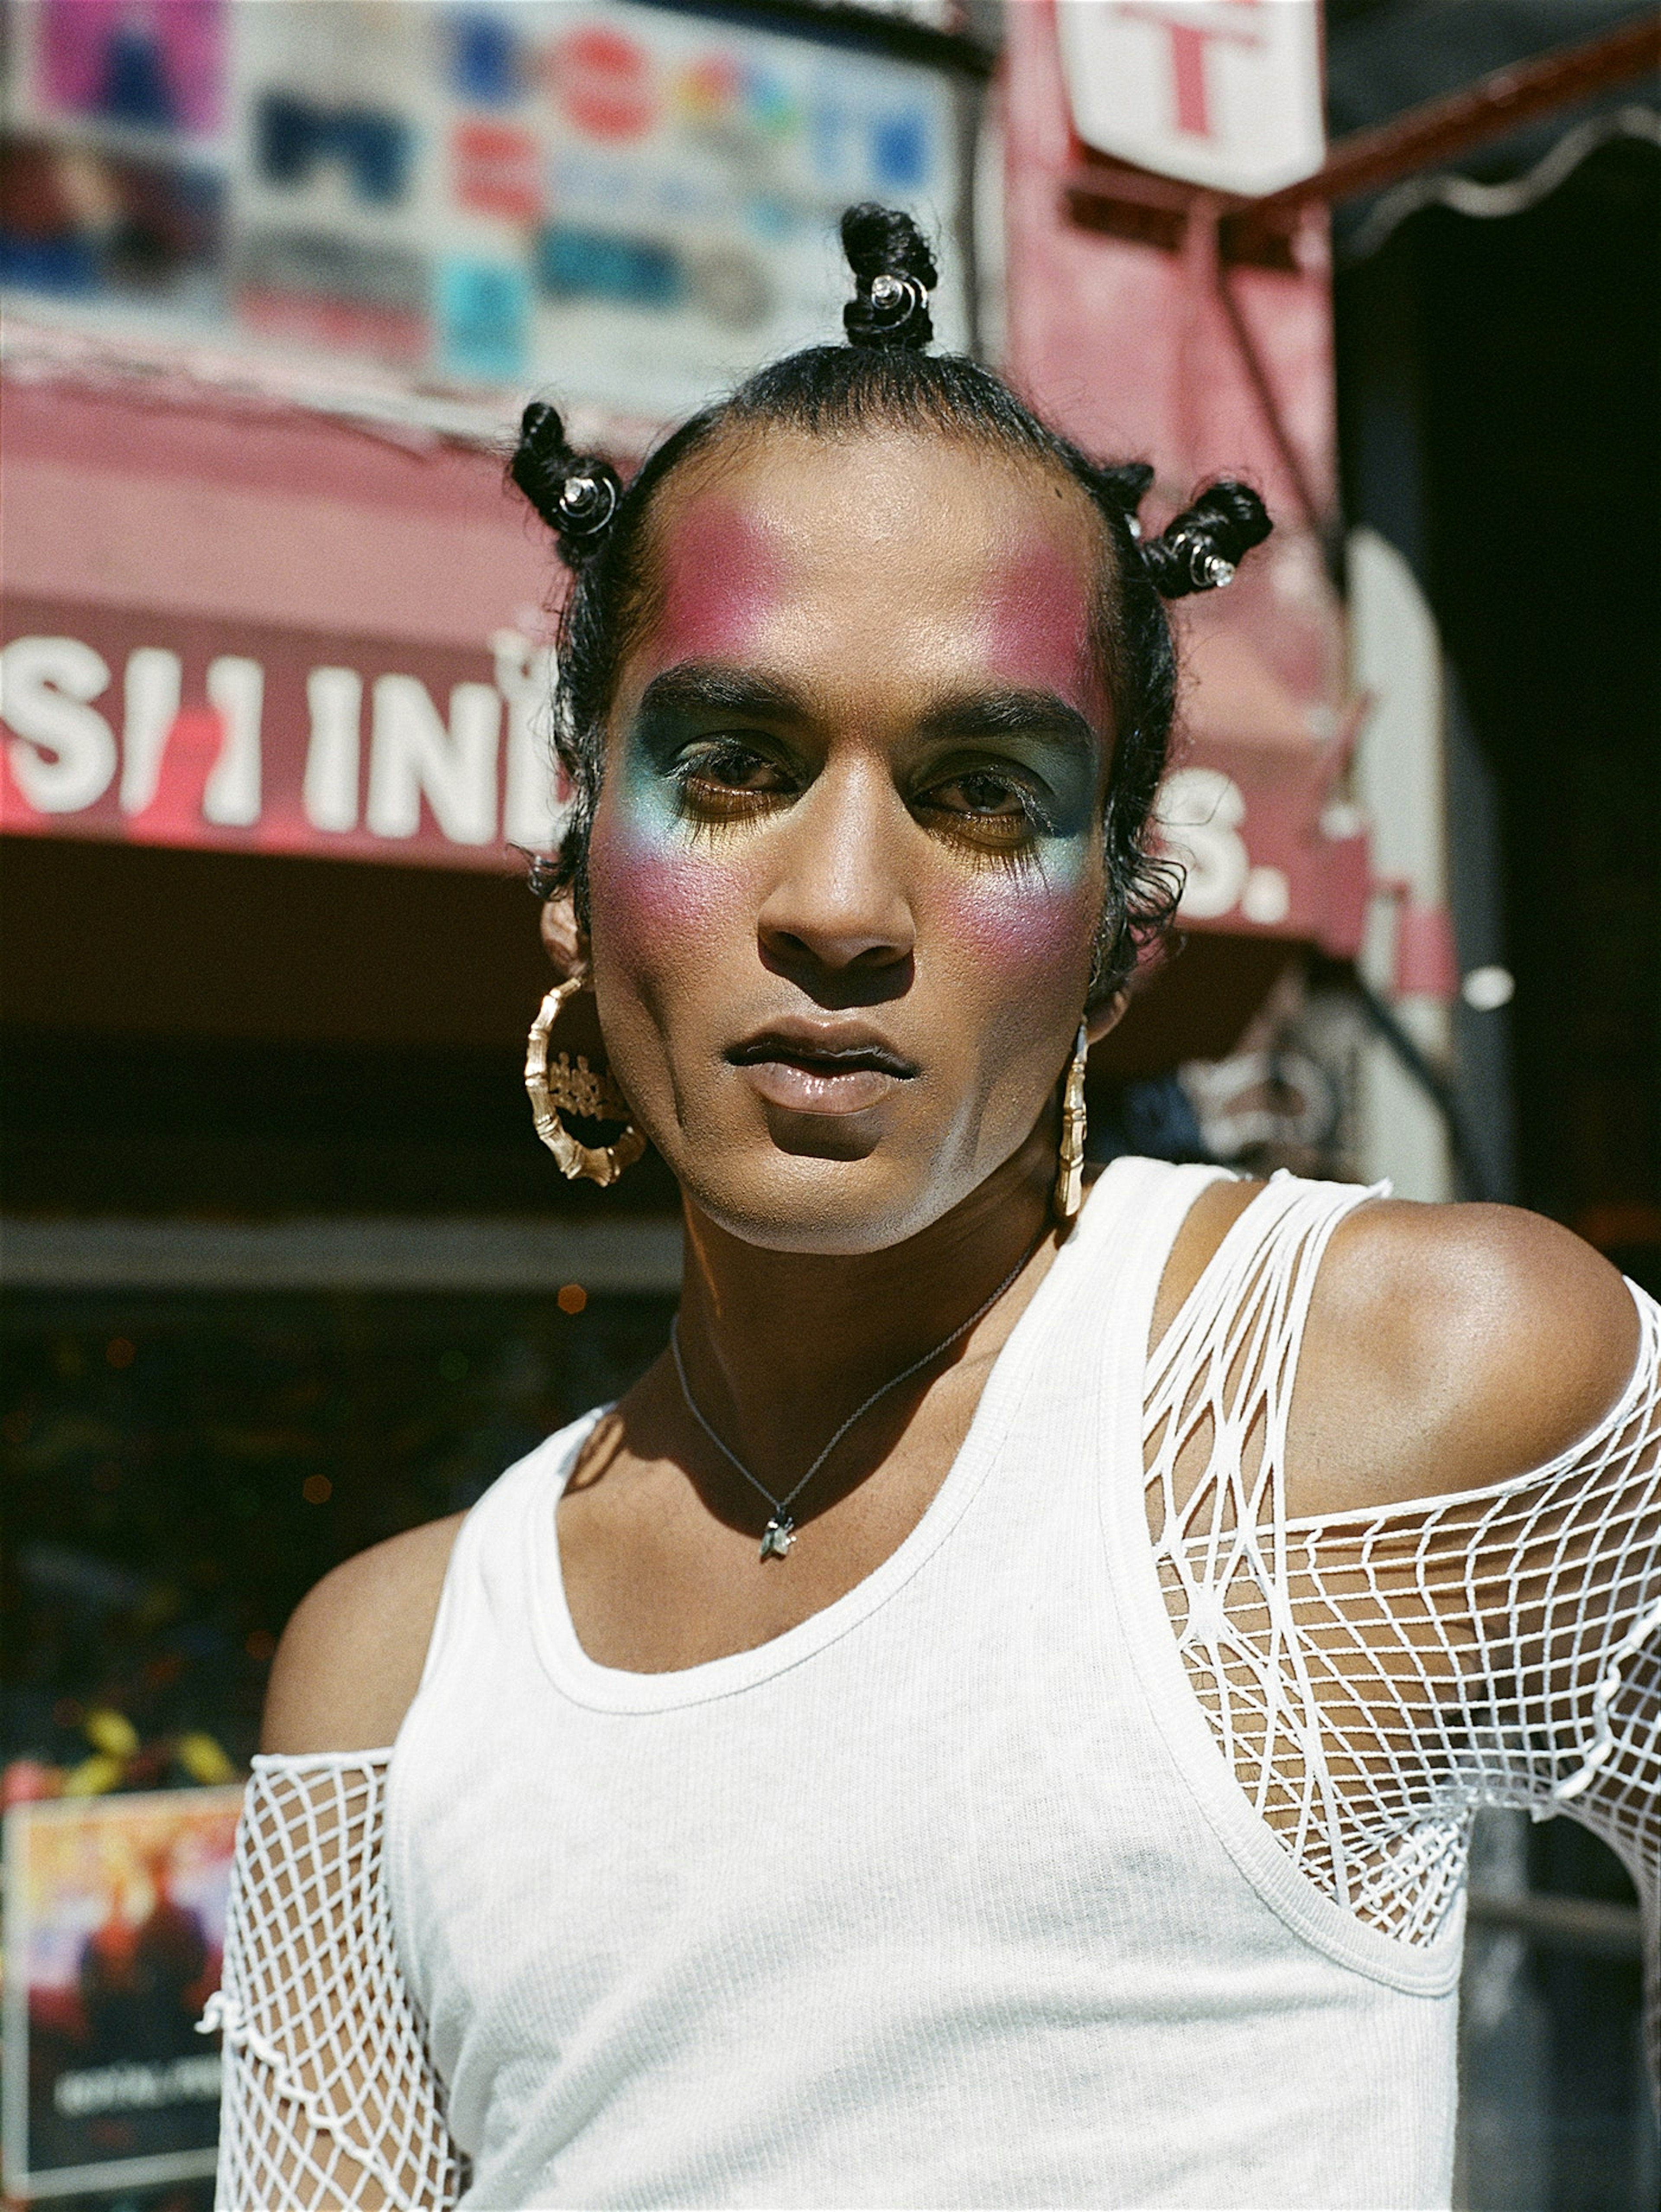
x=1069 y=1171
x=576 y=1089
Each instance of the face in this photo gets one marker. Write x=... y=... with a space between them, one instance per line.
x=846 y=867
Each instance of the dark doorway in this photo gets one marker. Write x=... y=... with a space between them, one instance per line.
x=1499 y=384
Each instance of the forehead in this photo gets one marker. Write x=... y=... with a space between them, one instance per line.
x=877 y=562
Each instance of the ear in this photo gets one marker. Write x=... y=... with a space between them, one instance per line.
x=1104 y=1015
x=560 y=938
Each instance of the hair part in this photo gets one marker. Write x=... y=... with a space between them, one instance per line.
x=884 y=381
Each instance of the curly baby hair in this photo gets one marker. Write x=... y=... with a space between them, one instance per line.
x=884 y=380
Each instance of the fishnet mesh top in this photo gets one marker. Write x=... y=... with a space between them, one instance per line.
x=329 y=2098
x=1372 y=1678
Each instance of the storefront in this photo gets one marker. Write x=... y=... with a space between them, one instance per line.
x=285 y=1269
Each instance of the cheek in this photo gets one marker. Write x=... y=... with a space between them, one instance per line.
x=1025 y=941
x=655 y=902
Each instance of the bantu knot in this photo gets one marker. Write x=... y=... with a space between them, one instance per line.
x=895 y=272
x=575 y=493
x=1201 y=549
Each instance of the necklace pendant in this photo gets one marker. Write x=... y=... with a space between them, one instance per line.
x=778 y=1537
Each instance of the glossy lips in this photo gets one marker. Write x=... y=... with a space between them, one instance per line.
x=821 y=1067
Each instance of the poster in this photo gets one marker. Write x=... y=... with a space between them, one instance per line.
x=621 y=203
x=114 y=1930
x=112 y=170
x=630 y=205
x=147 y=64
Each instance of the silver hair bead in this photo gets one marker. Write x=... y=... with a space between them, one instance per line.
x=586 y=503
x=1208 y=571
x=893 y=298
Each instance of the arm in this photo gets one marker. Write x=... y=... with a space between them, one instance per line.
x=1493 y=1352
x=330 y=2100
x=1449 y=1347
x=1584 y=1662
x=1403 y=1540
x=1622 y=1804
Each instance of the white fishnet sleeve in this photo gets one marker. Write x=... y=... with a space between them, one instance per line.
x=1621 y=1801
x=1373 y=1677
x=330 y=2100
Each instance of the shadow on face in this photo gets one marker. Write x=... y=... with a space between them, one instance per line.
x=846 y=868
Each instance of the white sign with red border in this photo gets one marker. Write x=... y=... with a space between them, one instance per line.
x=1224 y=93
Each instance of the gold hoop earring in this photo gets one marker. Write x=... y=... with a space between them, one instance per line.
x=1069 y=1171
x=578 y=1090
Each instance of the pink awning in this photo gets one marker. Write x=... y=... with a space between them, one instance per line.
x=238 y=621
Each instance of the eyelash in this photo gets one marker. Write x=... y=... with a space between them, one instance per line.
x=1026 y=819
x=704 y=790
x=705 y=793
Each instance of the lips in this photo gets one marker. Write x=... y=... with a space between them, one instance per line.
x=828 y=1067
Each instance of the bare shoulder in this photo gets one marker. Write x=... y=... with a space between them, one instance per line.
x=1208 y=1221
x=1450 y=1346
x=350 y=1659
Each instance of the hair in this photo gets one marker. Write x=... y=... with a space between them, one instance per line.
x=883 y=378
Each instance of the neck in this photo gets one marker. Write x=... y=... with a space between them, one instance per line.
x=781 y=1346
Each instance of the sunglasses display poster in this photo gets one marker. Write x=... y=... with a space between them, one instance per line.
x=115 y=163
x=630 y=205
x=114 y=1930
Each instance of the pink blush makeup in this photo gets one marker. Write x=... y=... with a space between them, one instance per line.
x=1015 y=927
x=724 y=575
x=652 y=893
x=1036 y=626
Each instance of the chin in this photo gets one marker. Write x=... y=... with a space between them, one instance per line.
x=799 y=1201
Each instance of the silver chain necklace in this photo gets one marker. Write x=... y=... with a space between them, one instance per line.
x=780 y=1531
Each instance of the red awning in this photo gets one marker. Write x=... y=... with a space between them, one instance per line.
x=241 y=619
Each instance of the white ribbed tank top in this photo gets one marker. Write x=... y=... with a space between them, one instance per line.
x=946 y=1897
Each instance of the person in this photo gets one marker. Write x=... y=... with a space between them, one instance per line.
x=107 y=1980
x=170 y=1960
x=994 y=1715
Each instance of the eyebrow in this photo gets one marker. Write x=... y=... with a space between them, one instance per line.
x=697 y=687
x=1011 y=714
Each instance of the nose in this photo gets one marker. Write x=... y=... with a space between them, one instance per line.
x=839 y=907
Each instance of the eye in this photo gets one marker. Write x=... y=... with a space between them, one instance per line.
x=983 y=793
x=725 y=770
x=733 y=764
x=987 y=804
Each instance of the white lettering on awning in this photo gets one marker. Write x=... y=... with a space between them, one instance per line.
x=63 y=752
x=152 y=691
x=413 y=755
x=524 y=677
x=335 y=699
x=1199 y=818
x=236 y=689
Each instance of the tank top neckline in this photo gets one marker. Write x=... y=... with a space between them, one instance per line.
x=585 y=1682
